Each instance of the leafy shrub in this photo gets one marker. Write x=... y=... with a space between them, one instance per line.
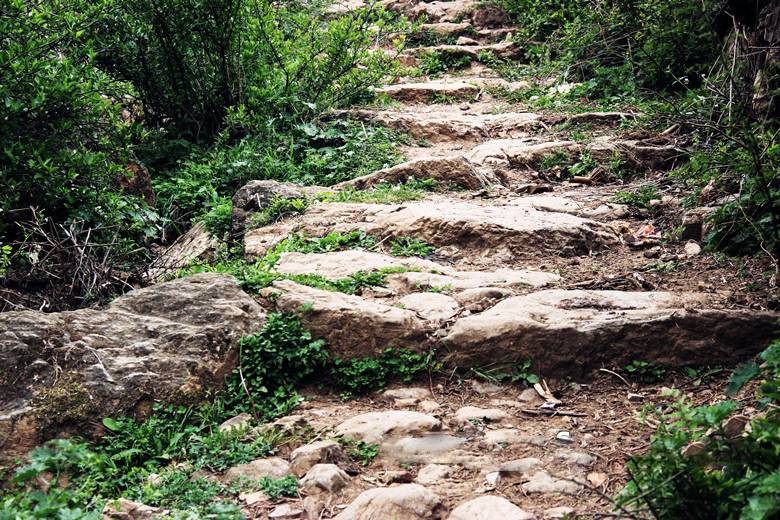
x=731 y=474
x=271 y=364
x=278 y=209
x=276 y=488
x=437 y=63
x=219 y=217
x=363 y=375
x=638 y=198
x=360 y=451
x=645 y=371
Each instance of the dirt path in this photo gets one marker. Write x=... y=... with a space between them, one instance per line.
x=525 y=266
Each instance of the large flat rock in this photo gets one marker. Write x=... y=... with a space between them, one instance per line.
x=446 y=171
x=572 y=332
x=168 y=343
x=341 y=264
x=472 y=228
x=422 y=92
x=352 y=326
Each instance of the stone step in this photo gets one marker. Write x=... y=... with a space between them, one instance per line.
x=503 y=232
x=423 y=92
x=572 y=332
x=442 y=125
x=503 y=50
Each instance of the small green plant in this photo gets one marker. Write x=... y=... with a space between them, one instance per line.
x=361 y=452
x=272 y=362
x=218 y=218
x=409 y=246
x=5 y=258
x=518 y=372
x=645 y=371
x=363 y=375
x=276 y=488
x=639 y=198
x=383 y=193
x=438 y=62
x=279 y=209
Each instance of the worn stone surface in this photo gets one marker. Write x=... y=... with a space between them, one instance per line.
x=446 y=171
x=124 y=509
x=351 y=325
x=403 y=502
x=167 y=343
x=374 y=427
x=438 y=125
x=503 y=50
x=489 y=508
x=433 y=473
x=543 y=482
x=324 y=478
x=341 y=264
x=453 y=88
x=570 y=332
x=304 y=458
x=473 y=413
x=196 y=244
x=273 y=467
x=431 y=306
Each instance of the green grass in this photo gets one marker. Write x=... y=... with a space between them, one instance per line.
x=383 y=193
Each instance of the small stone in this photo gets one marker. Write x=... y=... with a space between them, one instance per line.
x=305 y=457
x=576 y=458
x=597 y=479
x=472 y=413
x=123 y=509
x=692 y=249
x=529 y=396
x=489 y=508
x=555 y=513
x=405 y=403
x=428 y=406
x=373 y=427
x=635 y=398
x=653 y=252
x=464 y=40
x=289 y=424
x=693 y=449
x=564 y=437
x=252 y=498
x=432 y=473
x=397 y=477
x=505 y=436
x=493 y=478
x=403 y=502
x=324 y=478
x=518 y=467
x=285 y=511
x=313 y=506
x=735 y=425
x=272 y=467
x=542 y=482
x=239 y=422
x=485 y=388
x=412 y=393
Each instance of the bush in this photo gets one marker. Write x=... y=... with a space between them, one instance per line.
x=701 y=466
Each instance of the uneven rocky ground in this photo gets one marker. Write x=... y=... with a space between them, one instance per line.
x=525 y=266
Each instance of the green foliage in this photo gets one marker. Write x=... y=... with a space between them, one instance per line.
x=176 y=490
x=436 y=63
x=383 y=193
x=361 y=452
x=410 y=246
x=518 y=372
x=219 y=217
x=363 y=375
x=639 y=198
x=278 y=209
x=734 y=476
x=272 y=363
x=645 y=371
x=276 y=488
x=5 y=258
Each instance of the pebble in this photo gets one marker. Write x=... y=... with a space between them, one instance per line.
x=564 y=437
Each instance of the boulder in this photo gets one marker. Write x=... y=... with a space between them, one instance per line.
x=571 y=332
x=490 y=16
x=403 y=502
x=324 y=478
x=304 y=458
x=374 y=427
x=273 y=467
x=489 y=508
x=351 y=325
x=255 y=196
x=169 y=343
